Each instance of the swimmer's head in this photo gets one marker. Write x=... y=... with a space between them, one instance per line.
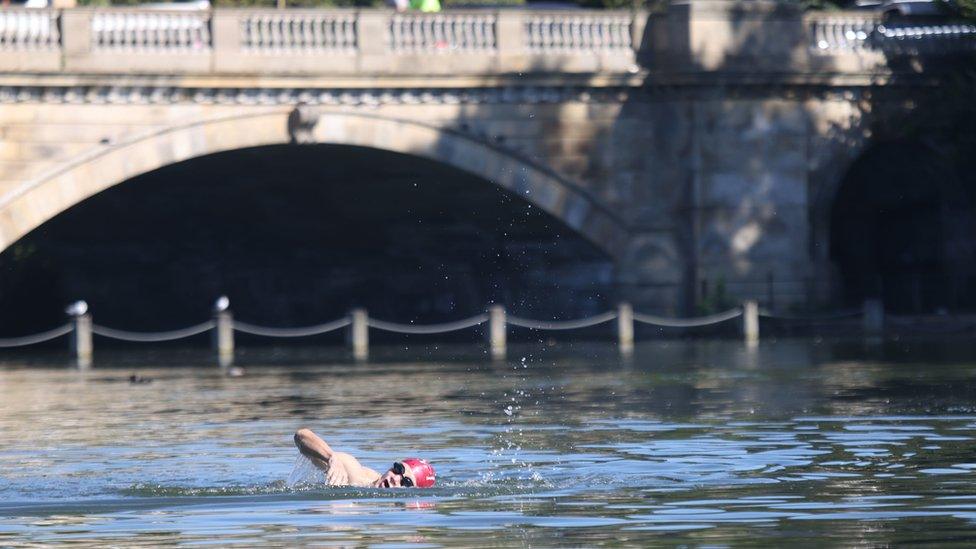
x=409 y=472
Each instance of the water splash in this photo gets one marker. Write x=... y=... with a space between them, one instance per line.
x=305 y=473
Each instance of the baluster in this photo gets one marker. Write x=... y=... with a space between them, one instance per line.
x=264 y=29
x=174 y=33
x=106 y=37
x=260 y=32
x=314 y=29
x=425 y=35
x=571 y=28
x=395 y=33
x=278 y=26
x=289 y=34
x=117 y=36
x=475 y=33
x=246 y=29
x=203 y=27
x=267 y=32
x=52 y=31
x=407 y=33
x=292 y=34
x=300 y=39
x=434 y=34
x=545 y=33
x=186 y=28
x=333 y=33
x=339 y=33
x=463 y=33
x=20 y=33
x=25 y=32
x=352 y=33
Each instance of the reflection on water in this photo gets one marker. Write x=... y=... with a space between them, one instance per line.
x=697 y=442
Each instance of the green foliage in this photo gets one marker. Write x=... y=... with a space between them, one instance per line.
x=480 y=3
x=967 y=8
x=716 y=300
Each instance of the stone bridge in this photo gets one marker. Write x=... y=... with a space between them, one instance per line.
x=705 y=144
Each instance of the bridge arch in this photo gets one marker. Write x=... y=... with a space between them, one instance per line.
x=38 y=200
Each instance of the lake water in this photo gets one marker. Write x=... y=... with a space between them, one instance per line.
x=700 y=442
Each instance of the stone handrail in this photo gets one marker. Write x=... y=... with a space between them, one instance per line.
x=292 y=31
x=570 y=32
x=370 y=42
x=841 y=32
x=150 y=31
x=29 y=29
x=846 y=33
x=443 y=32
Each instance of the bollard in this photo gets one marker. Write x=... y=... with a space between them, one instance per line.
x=359 y=334
x=223 y=334
x=496 y=331
x=750 y=322
x=625 y=328
x=873 y=317
x=81 y=336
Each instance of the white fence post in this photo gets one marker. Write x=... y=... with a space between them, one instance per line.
x=750 y=322
x=496 y=331
x=81 y=336
x=223 y=334
x=625 y=328
x=359 y=334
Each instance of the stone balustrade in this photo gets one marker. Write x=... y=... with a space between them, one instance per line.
x=298 y=32
x=29 y=29
x=443 y=33
x=833 y=33
x=473 y=42
x=148 y=31
x=847 y=33
x=578 y=34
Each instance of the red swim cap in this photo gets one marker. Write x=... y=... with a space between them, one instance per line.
x=423 y=472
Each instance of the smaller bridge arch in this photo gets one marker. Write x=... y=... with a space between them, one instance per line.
x=36 y=201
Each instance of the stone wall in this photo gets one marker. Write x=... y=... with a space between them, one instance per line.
x=701 y=152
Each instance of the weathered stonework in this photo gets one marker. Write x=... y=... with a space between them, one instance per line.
x=713 y=163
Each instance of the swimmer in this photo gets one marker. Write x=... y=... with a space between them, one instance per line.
x=342 y=469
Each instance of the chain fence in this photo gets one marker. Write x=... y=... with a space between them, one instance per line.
x=307 y=331
x=695 y=322
x=826 y=317
x=36 y=338
x=429 y=328
x=561 y=324
x=153 y=337
x=955 y=327
x=446 y=327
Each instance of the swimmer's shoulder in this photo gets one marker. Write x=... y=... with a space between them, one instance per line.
x=345 y=470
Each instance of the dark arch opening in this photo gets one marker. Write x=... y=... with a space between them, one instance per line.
x=902 y=231
x=296 y=235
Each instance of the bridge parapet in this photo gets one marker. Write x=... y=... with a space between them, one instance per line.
x=357 y=42
x=833 y=33
x=698 y=35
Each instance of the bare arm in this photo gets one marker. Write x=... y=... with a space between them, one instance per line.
x=312 y=446
x=341 y=469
